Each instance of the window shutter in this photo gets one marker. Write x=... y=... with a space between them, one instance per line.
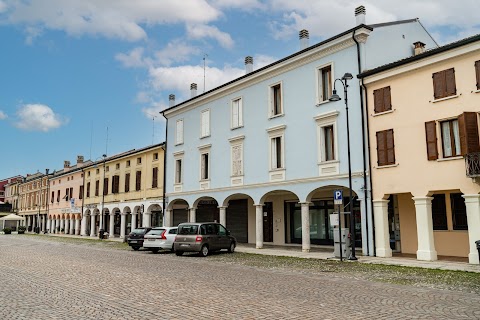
x=381 y=152
x=240 y=112
x=431 y=137
x=235 y=114
x=439 y=85
x=179 y=131
x=387 y=100
x=451 y=88
x=207 y=121
x=477 y=71
x=378 y=100
x=469 y=141
x=155 y=177
x=390 y=147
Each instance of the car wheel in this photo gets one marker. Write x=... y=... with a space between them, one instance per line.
x=154 y=250
x=136 y=248
x=231 y=249
x=204 y=251
x=178 y=253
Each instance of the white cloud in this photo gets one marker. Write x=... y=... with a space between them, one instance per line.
x=122 y=19
x=246 y=5
x=132 y=59
x=3 y=6
x=153 y=110
x=175 y=51
x=325 y=18
x=38 y=117
x=200 y=31
x=3 y=116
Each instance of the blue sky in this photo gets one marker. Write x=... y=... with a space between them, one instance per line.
x=70 y=69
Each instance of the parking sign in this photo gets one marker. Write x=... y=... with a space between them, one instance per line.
x=337 y=197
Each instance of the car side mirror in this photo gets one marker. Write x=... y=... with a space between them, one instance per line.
x=228 y=232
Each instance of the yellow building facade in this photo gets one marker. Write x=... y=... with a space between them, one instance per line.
x=425 y=162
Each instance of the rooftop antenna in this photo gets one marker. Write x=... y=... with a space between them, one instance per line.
x=106 y=143
x=204 y=59
x=91 y=139
x=153 y=126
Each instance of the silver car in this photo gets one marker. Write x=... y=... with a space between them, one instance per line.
x=203 y=238
x=160 y=238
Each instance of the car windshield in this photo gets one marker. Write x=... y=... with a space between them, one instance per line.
x=139 y=231
x=155 y=232
x=188 y=229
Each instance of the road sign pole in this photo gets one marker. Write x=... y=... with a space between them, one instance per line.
x=340 y=232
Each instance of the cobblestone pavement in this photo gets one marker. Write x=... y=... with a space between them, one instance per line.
x=44 y=279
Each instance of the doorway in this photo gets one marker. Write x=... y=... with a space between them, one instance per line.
x=268 y=222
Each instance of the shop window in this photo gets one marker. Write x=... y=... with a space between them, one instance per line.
x=459 y=211
x=439 y=212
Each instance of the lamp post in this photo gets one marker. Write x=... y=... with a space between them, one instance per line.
x=335 y=97
x=46 y=198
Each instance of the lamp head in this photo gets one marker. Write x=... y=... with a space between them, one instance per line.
x=335 y=96
x=347 y=76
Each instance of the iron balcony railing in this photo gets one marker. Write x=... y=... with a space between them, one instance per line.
x=472 y=164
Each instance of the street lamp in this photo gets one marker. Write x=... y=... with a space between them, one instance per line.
x=46 y=199
x=102 y=218
x=335 y=97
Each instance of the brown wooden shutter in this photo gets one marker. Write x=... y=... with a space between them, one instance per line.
x=105 y=186
x=390 y=146
x=439 y=85
x=468 y=131
x=387 y=99
x=477 y=71
x=431 y=137
x=127 y=182
x=138 y=181
x=378 y=100
x=155 y=178
x=451 y=88
x=381 y=149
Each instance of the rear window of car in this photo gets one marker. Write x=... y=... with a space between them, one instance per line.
x=172 y=231
x=138 y=231
x=188 y=229
x=155 y=232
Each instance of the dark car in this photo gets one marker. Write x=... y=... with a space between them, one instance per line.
x=135 y=238
x=203 y=238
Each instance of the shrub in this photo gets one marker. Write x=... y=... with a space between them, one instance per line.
x=7 y=230
x=22 y=229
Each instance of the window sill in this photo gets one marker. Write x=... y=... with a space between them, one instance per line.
x=382 y=113
x=178 y=144
x=476 y=91
x=204 y=180
x=329 y=162
x=276 y=116
x=205 y=137
x=234 y=128
x=276 y=169
x=321 y=103
x=446 y=98
x=450 y=158
x=387 y=166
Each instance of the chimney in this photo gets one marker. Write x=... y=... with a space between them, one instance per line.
x=79 y=159
x=360 y=13
x=66 y=164
x=419 y=47
x=248 y=64
x=304 y=36
x=171 y=100
x=193 y=90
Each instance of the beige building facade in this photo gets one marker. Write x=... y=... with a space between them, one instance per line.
x=123 y=192
x=425 y=161
x=32 y=200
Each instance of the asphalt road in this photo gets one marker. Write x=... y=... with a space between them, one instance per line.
x=45 y=279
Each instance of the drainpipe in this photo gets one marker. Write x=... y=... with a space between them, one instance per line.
x=364 y=147
x=165 y=166
x=83 y=199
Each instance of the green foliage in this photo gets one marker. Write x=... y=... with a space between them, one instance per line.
x=7 y=230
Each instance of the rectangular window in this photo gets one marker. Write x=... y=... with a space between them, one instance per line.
x=88 y=175
x=325 y=83
x=138 y=180
x=444 y=84
x=105 y=186
x=53 y=197
x=80 y=193
x=115 y=184
x=58 y=196
x=117 y=166
x=71 y=193
x=204 y=166
x=205 y=123
x=382 y=100
x=477 y=72
x=178 y=171
x=459 y=211
x=107 y=168
x=155 y=177
x=88 y=189
x=237 y=113
x=155 y=156
x=66 y=195
x=450 y=138
x=439 y=212
x=179 y=132
x=139 y=160
x=276 y=100
x=97 y=188
x=385 y=148
x=237 y=160
x=128 y=163
x=329 y=143
x=127 y=182
x=276 y=153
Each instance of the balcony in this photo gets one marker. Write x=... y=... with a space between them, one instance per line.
x=472 y=164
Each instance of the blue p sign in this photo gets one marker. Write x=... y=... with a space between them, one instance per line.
x=337 y=197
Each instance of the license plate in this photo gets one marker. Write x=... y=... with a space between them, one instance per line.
x=151 y=239
x=133 y=241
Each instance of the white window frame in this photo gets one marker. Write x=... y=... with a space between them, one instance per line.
x=237 y=179
x=322 y=121
x=205 y=150
x=178 y=186
x=205 y=129
x=271 y=99
x=442 y=142
x=236 y=123
x=178 y=173
x=319 y=81
x=179 y=134
x=273 y=133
